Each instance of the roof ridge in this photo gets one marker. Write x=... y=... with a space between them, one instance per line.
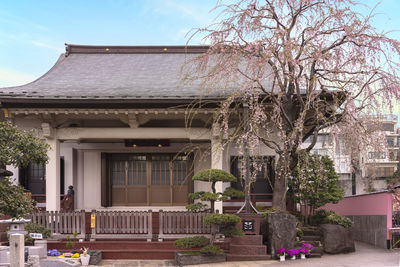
x=140 y=49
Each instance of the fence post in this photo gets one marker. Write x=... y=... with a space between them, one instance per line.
x=160 y=225
x=150 y=226
x=93 y=235
x=83 y=223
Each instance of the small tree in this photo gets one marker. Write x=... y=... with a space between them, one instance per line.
x=314 y=183
x=13 y=200
x=18 y=148
x=226 y=222
x=213 y=176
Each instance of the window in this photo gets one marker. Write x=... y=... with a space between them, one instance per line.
x=390 y=142
x=376 y=155
x=262 y=186
x=389 y=127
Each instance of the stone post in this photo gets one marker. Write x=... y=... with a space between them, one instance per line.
x=17 y=250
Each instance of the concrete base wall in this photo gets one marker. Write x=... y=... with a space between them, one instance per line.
x=370 y=229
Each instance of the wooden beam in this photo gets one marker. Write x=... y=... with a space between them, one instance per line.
x=73 y=133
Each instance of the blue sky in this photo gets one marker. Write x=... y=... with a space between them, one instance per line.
x=33 y=32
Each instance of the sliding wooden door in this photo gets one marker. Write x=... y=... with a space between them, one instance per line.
x=153 y=180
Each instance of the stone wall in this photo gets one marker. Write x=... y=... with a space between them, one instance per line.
x=370 y=229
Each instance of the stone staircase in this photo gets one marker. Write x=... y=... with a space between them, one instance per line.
x=247 y=247
x=312 y=235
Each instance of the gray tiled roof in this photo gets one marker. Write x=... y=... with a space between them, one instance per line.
x=100 y=75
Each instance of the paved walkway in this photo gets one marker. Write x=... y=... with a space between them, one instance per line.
x=365 y=255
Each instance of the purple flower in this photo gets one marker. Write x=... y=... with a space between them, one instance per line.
x=292 y=252
x=307 y=246
x=304 y=251
x=281 y=252
x=53 y=252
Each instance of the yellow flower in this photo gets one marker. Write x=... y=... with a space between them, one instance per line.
x=76 y=255
x=62 y=255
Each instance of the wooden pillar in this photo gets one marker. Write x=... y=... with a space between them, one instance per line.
x=53 y=174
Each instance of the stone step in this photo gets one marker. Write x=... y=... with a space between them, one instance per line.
x=247 y=250
x=319 y=250
x=232 y=257
x=311 y=231
x=311 y=238
x=247 y=240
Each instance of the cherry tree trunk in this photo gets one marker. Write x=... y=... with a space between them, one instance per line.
x=282 y=172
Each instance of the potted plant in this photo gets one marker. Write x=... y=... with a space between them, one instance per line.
x=307 y=246
x=303 y=252
x=293 y=253
x=281 y=253
x=85 y=257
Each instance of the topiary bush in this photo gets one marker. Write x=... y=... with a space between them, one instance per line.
x=226 y=223
x=221 y=219
x=192 y=242
x=211 y=250
x=214 y=175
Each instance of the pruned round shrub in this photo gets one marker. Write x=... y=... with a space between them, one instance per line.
x=221 y=219
x=214 y=175
x=192 y=242
x=211 y=250
x=231 y=231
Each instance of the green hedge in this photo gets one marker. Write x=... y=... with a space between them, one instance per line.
x=192 y=242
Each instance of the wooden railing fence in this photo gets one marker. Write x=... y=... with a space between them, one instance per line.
x=62 y=223
x=122 y=224
x=178 y=224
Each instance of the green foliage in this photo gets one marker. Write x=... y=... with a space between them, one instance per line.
x=204 y=196
x=323 y=216
x=338 y=219
x=214 y=175
x=19 y=148
x=299 y=233
x=36 y=228
x=232 y=192
x=211 y=250
x=261 y=207
x=190 y=252
x=320 y=215
x=314 y=182
x=192 y=242
x=196 y=207
x=13 y=200
x=231 y=231
x=221 y=219
x=71 y=240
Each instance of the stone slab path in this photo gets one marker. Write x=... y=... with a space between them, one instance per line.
x=365 y=256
